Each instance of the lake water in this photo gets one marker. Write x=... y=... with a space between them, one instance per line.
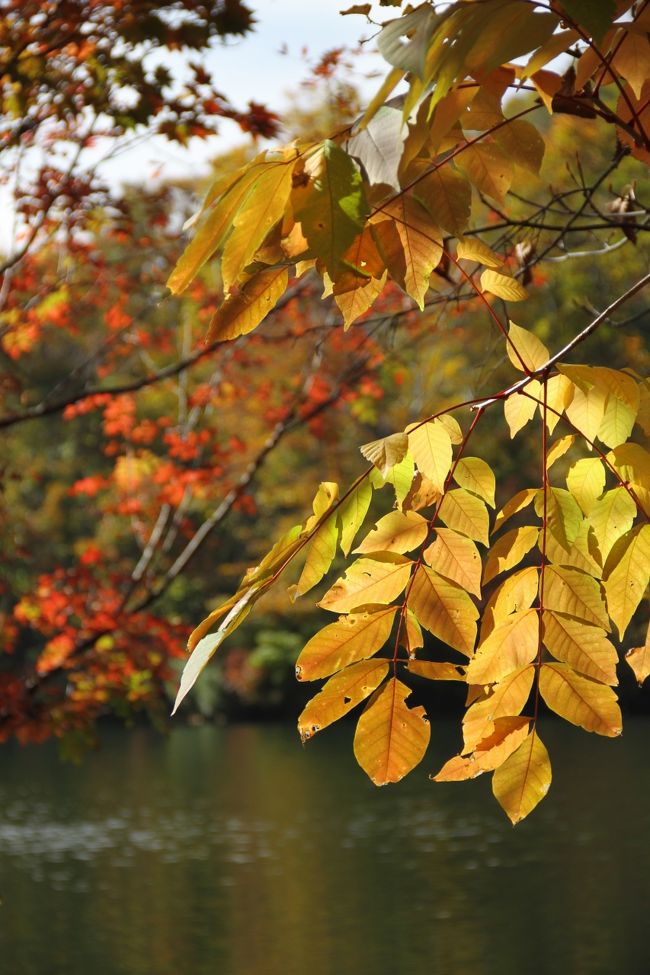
x=237 y=851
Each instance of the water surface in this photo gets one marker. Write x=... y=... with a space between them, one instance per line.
x=237 y=851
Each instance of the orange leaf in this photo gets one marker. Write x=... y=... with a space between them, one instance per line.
x=391 y=738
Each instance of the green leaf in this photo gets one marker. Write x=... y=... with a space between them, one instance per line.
x=331 y=208
x=596 y=17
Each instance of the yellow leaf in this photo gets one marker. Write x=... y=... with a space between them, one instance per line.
x=401 y=477
x=490 y=752
x=610 y=518
x=367 y=581
x=476 y=476
x=243 y=311
x=581 y=554
x=467 y=514
x=320 y=556
x=487 y=166
x=324 y=500
x=559 y=393
x=523 y=144
x=350 y=639
x=631 y=58
x=583 y=647
x=508 y=698
x=411 y=634
x=444 y=609
x=457 y=558
x=355 y=301
x=391 y=738
x=453 y=427
x=211 y=234
x=502 y=286
x=430 y=447
x=639 y=659
x=626 y=575
x=395 y=532
x=575 y=594
x=516 y=593
x=473 y=249
x=340 y=694
x=563 y=516
x=432 y=670
x=509 y=550
x=511 y=645
x=517 y=503
x=586 y=482
x=387 y=452
x=583 y=702
x=523 y=780
x=519 y=409
x=559 y=449
x=410 y=244
x=632 y=463
x=586 y=410
x=262 y=208
x=447 y=196
x=526 y=348
x=352 y=513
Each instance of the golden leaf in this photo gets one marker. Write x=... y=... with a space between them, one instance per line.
x=502 y=286
x=387 y=452
x=517 y=503
x=395 y=532
x=492 y=751
x=489 y=169
x=524 y=347
x=340 y=694
x=476 y=476
x=391 y=738
x=586 y=482
x=430 y=446
x=447 y=196
x=509 y=550
x=507 y=698
x=349 y=639
x=410 y=245
x=242 y=312
x=457 y=558
x=320 y=556
x=473 y=249
x=559 y=449
x=583 y=702
x=352 y=513
x=524 y=779
x=516 y=593
x=610 y=518
x=575 y=594
x=367 y=581
x=639 y=659
x=466 y=514
x=583 y=647
x=444 y=609
x=520 y=409
x=626 y=575
x=563 y=516
x=433 y=670
x=511 y=645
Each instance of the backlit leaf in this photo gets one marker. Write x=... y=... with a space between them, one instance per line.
x=519 y=409
x=340 y=694
x=378 y=146
x=377 y=580
x=331 y=209
x=626 y=575
x=476 y=476
x=511 y=644
x=391 y=738
x=522 y=144
x=559 y=393
x=447 y=196
x=457 y=558
x=525 y=347
x=559 y=449
x=320 y=555
x=584 y=648
x=575 y=594
x=586 y=482
x=490 y=752
x=387 y=452
x=352 y=513
x=516 y=593
x=410 y=244
x=632 y=463
x=349 y=639
x=243 y=310
x=432 y=670
x=610 y=518
x=563 y=516
x=524 y=779
x=465 y=513
x=507 y=699
x=473 y=249
x=595 y=17
x=509 y=550
x=488 y=168
x=639 y=659
x=583 y=702
x=395 y=532
x=430 y=446
x=444 y=609
x=517 y=503
x=586 y=410
x=502 y=286
x=581 y=554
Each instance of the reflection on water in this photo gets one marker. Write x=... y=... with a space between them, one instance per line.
x=238 y=852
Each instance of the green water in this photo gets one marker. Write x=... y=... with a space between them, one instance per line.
x=239 y=852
